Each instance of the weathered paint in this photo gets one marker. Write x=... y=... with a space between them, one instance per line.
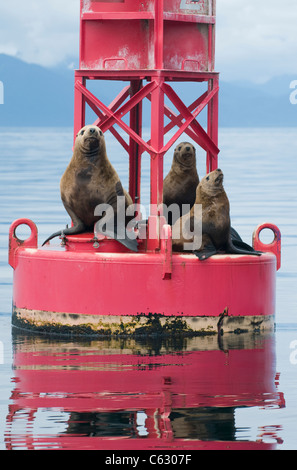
x=103 y=288
x=69 y=324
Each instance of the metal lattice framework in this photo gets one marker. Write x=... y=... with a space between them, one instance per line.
x=108 y=26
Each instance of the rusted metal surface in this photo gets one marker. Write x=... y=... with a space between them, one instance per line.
x=69 y=324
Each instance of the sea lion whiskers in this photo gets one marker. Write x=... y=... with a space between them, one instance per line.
x=185 y=155
x=90 y=141
x=211 y=184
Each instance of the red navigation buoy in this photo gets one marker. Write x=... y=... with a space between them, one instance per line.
x=92 y=284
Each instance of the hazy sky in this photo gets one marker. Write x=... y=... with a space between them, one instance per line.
x=256 y=39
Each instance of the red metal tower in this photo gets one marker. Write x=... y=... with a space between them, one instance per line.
x=149 y=44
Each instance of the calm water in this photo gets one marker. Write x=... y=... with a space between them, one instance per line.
x=198 y=393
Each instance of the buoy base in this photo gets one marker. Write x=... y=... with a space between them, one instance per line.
x=87 y=287
x=108 y=325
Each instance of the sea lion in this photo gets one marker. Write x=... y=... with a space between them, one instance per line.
x=179 y=186
x=89 y=180
x=217 y=234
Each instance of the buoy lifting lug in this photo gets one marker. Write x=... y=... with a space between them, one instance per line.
x=273 y=247
x=15 y=243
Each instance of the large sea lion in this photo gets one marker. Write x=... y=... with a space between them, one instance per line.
x=90 y=180
x=217 y=234
x=179 y=186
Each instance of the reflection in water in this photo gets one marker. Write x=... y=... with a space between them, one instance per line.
x=140 y=394
x=204 y=423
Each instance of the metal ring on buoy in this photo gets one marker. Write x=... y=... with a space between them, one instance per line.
x=15 y=242
x=273 y=247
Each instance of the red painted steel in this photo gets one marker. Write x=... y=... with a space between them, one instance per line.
x=15 y=243
x=157 y=282
x=274 y=246
x=134 y=35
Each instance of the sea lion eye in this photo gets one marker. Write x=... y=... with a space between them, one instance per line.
x=179 y=149
x=82 y=132
x=101 y=133
x=207 y=178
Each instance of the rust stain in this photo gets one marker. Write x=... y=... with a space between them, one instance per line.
x=151 y=324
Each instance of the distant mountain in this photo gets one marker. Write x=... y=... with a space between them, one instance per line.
x=34 y=95
x=276 y=86
x=250 y=105
x=38 y=96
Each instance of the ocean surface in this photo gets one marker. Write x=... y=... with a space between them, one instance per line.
x=126 y=394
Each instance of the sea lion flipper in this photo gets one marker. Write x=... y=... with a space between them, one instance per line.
x=119 y=232
x=206 y=252
x=53 y=235
x=242 y=245
x=237 y=247
x=128 y=240
x=238 y=243
x=234 y=234
x=129 y=243
x=78 y=226
x=122 y=237
x=67 y=231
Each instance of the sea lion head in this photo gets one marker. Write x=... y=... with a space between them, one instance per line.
x=90 y=140
x=212 y=183
x=185 y=154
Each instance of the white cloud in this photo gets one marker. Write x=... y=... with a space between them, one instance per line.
x=256 y=39
x=43 y=32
